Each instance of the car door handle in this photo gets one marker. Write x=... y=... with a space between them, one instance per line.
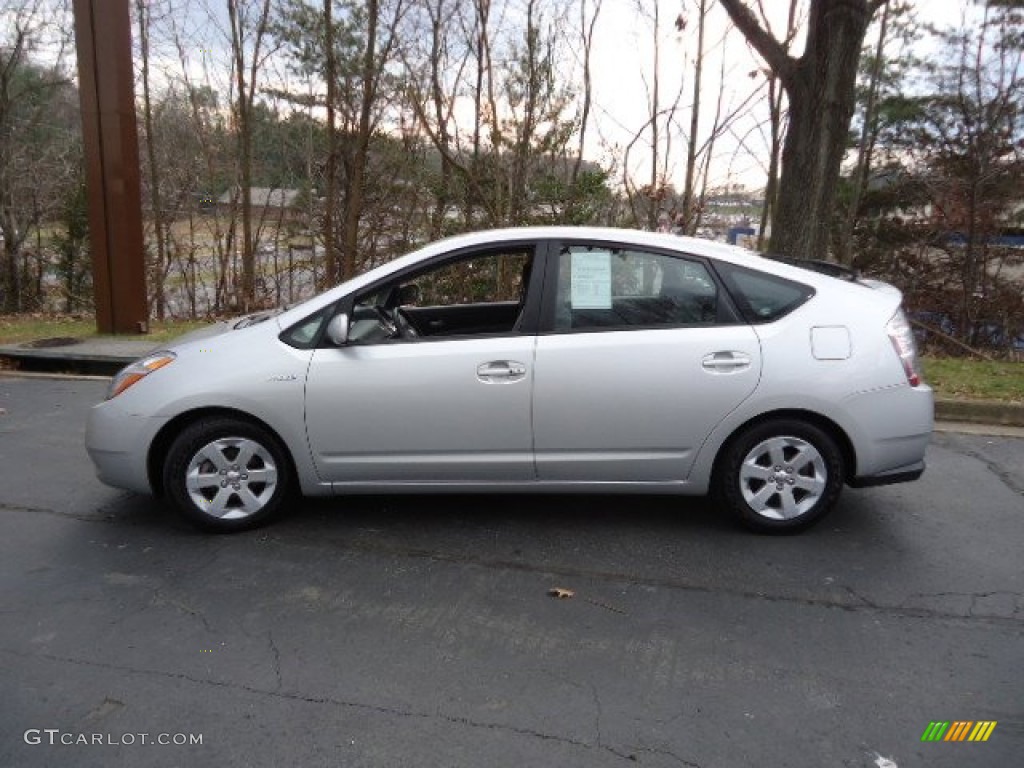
x=501 y=370
x=725 y=362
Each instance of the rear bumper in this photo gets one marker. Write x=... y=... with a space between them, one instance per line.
x=890 y=430
x=902 y=475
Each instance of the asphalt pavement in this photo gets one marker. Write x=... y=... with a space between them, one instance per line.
x=418 y=631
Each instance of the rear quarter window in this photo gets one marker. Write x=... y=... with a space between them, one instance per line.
x=762 y=297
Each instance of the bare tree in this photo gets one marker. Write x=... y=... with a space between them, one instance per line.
x=878 y=64
x=39 y=138
x=646 y=200
x=204 y=273
x=363 y=42
x=371 y=71
x=158 y=272
x=587 y=45
x=688 y=212
x=248 y=20
x=331 y=176
x=434 y=78
x=775 y=125
x=820 y=86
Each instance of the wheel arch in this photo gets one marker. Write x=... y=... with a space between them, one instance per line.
x=824 y=423
x=161 y=443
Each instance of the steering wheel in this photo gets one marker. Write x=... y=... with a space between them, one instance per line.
x=406 y=330
x=392 y=317
x=396 y=323
x=387 y=322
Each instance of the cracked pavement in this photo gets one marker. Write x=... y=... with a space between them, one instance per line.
x=417 y=631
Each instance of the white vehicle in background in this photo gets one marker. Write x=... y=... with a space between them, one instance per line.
x=561 y=359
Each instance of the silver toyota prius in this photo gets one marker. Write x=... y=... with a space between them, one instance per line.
x=560 y=359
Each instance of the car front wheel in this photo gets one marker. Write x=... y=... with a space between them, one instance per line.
x=780 y=476
x=226 y=475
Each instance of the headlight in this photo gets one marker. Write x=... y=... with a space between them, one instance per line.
x=137 y=371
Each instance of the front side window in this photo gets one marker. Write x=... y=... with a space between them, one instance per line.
x=607 y=287
x=304 y=334
x=492 y=278
x=477 y=294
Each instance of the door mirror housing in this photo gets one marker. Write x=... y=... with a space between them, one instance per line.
x=337 y=329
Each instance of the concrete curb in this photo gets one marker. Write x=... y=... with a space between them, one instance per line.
x=988 y=430
x=103 y=357
x=114 y=352
x=979 y=412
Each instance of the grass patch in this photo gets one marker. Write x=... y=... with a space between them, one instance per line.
x=975 y=379
x=15 y=329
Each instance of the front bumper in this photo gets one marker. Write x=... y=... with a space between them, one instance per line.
x=118 y=443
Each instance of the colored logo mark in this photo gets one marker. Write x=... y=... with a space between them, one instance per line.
x=958 y=730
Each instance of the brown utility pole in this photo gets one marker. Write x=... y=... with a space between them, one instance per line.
x=106 y=92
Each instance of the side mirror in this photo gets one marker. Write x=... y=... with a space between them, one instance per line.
x=337 y=330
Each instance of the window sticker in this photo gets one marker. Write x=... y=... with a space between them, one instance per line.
x=591 y=280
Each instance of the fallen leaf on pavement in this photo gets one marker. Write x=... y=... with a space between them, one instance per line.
x=561 y=593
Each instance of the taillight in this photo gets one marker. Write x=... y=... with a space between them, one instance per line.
x=902 y=338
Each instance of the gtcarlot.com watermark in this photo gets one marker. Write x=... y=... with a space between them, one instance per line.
x=57 y=737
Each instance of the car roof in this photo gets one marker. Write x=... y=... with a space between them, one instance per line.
x=693 y=245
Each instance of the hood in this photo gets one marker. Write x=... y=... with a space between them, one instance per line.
x=225 y=326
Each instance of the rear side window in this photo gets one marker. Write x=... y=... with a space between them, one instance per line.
x=763 y=298
x=602 y=288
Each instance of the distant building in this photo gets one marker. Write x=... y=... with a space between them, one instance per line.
x=267 y=202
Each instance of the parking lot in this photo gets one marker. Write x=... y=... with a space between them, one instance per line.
x=419 y=630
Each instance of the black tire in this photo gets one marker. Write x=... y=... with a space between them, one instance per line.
x=798 y=487
x=242 y=476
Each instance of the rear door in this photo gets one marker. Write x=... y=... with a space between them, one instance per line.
x=641 y=355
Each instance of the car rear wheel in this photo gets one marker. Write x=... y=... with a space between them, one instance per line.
x=780 y=476
x=226 y=475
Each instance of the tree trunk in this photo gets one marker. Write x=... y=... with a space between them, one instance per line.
x=331 y=201
x=775 y=95
x=689 y=214
x=471 y=199
x=771 y=188
x=12 y=301
x=357 y=178
x=518 y=206
x=157 y=280
x=441 y=198
x=821 y=103
x=652 y=203
x=844 y=250
x=587 y=38
x=821 y=90
x=246 y=292
x=244 y=114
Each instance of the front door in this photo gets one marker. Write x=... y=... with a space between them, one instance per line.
x=445 y=395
